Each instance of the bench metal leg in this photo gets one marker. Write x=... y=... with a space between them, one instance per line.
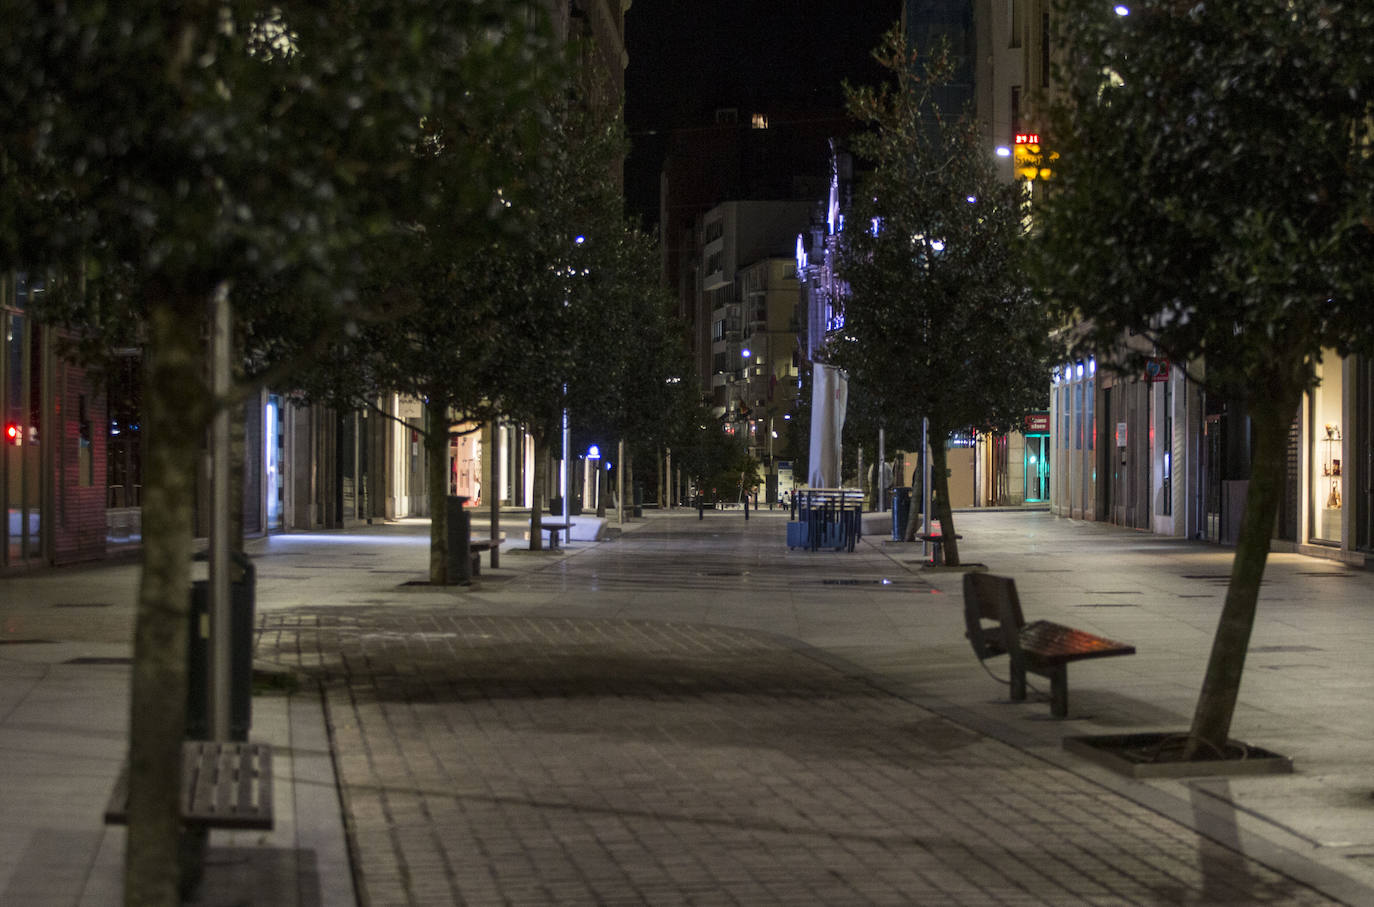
x=1059 y=692
x=1018 y=681
x=191 y=848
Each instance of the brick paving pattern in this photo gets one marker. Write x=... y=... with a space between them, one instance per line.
x=549 y=760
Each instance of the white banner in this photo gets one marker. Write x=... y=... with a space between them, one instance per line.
x=829 y=399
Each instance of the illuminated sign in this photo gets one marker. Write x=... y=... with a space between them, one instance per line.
x=1029 y=160
x=1156 y=369
x=1038 y=424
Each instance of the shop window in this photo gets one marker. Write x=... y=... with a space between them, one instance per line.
x=1327 y=457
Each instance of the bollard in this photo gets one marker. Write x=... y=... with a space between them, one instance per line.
x=746 y=508
x=701 y=507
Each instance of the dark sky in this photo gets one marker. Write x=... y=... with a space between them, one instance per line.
x=689 y=57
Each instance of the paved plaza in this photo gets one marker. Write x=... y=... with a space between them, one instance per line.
x=690 y=713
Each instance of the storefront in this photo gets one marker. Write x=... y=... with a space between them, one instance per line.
x=1073 y=431
x=1326 y=422
x=1036 y=459
x=53 y=460
x=22 y=463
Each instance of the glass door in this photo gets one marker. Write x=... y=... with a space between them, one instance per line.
x=1037 y=468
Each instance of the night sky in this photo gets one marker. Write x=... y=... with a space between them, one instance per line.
x=689 y=58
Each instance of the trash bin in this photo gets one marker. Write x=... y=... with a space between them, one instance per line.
x=556 y=505
x=901 y=511
x=241 y=605
x=459 y=536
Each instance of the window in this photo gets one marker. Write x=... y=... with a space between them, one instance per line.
x=1167 y=477
x=1015 y=109
x=1067 y=415
x=1091 y=426
x=1078 y=415
x=1014 y=23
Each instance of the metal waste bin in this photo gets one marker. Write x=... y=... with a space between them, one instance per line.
x=459 y=538
x=901 y=511
x=242 y=595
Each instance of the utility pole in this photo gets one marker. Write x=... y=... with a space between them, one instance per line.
x=220 y=650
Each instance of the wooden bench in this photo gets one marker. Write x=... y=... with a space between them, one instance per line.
x=223 y=785
x=937 y=549
x=1042 y=647
x=553 y=529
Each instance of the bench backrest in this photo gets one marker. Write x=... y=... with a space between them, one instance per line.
x=993 y=599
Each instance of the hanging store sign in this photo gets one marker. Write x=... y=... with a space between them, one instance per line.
x=1038 y=424
x=1156 y=369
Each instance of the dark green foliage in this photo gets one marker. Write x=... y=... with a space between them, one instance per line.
x=938 y=322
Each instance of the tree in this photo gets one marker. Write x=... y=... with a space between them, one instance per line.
x=1213 y=197
x=563 y=293
x=156 y=156
x=637 y=389
x=938 y=321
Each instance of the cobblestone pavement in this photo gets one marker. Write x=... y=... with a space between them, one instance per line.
x=548 y=752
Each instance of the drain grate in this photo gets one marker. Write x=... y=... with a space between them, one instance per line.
x=724 y=573
x=1107 y=605
x=26 y=642
x=99 y=660
x=84 y=605
x=1275 y=649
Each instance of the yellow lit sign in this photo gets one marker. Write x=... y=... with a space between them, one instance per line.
x=1029 y=162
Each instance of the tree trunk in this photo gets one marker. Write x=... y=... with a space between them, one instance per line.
x=939 y=487
x=628 y=505
x=1221 y=685
x=175 y=413
x=541 y=477
x=436 y=471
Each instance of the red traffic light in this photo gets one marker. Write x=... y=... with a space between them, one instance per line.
x=13 y=433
